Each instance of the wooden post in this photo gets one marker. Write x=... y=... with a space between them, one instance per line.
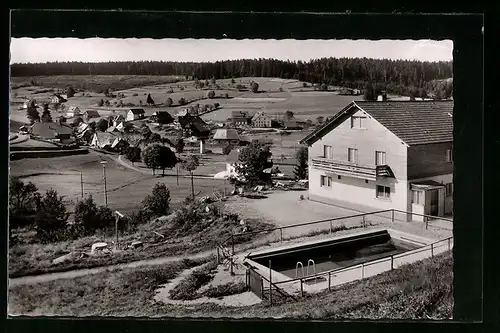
x=426 y=222
x=392 y=262
x=301 y=289
x=331 y=229
x=231 y=261
x=432 y=250
x=329 y=280
x=270 y=285
x=364 y=222
x=392 y=215
x=116 y=232
x=261 y=288
x=281 y=232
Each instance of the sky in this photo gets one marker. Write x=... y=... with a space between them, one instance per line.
x=37 y=50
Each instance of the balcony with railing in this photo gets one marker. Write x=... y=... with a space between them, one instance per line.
x=348 y=169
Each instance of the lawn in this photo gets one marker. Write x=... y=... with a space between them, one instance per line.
x=418 y=291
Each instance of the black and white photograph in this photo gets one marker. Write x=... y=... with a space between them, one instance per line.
x=231 y=178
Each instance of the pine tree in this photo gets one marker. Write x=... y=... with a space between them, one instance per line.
x=301 y=166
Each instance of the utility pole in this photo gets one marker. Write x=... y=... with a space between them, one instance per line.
x=105 y=185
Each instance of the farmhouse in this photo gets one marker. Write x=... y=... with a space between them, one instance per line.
x=82 y=132
x=89 y=114
x=57 y=99
x=261 y=120
x=105 y=140
x=134 y=114
x=117 y=120
x=227 y=136
x=52 y=131
x=240 y=118
x=73 y=111
x=162 y=117
x=387 y=155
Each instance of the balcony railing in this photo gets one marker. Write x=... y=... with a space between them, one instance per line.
x=342 y=168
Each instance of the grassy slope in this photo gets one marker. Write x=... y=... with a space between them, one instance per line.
x=414 y=291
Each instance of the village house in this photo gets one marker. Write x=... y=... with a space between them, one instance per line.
x=73 y=111
x=117 y=120
x=161 y=117
x=227 y=136
x=261 y=120
x=89 y=114
x=52 y=131
x=240 y=118
x=83 y=132
x=385 y=155
x=231 y=162
x=106 y=140
x=58 y=99
x=135 y=114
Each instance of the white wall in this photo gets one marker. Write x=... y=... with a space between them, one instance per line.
x=357 y=191
x=445 y=202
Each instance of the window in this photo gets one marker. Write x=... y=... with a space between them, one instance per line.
x=418 y=197
x=383 y=192
x=449 y=155
x=449 y=189
x=352 y=155
x=358 y=122
x=380 y=158
x=327 y=151
x=326 y=181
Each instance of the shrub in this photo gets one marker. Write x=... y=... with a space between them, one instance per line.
x=211 y=94
x=182 y=101
x=136 y=94
x=158 y=203
x=51 y=217
x=187 y=288
x=227 y=289
x=92 y=217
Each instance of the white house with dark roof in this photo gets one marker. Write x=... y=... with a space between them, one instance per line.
x=385 y=155
x=134 y=114
x=73 y=111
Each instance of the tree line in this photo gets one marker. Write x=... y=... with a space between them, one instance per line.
x=347 y=72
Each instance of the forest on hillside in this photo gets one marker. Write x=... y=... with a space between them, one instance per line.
x=400 y=77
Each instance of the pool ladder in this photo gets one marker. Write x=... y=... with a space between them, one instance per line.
x=309 y=262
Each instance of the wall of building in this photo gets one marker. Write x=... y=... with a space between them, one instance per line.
x=428 y=160
x=358 y=191
x=446 y=202
x=374 y=137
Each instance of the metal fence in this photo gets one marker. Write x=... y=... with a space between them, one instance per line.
x=328 y=226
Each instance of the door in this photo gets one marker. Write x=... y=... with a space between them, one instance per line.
x=434 y=202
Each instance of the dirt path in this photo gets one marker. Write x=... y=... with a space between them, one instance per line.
x=83 y=272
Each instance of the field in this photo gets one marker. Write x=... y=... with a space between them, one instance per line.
x=274 y=96
x=420 y=290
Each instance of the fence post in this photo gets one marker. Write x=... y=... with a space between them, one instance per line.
x=331 y=229
x=270 y=285
x=392 y=262
x=426 y=222
x=281 y=232
x=261 y=288
x=432 y=250
x=362 y=270
x=449 y=244
x=329 y=280
x=364 y=222
x=392 y=215
x=301 y=289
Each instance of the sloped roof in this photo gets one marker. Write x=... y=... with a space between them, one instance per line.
x=260 y=114
x=421 y=122
x=73 y=108
x=111 y=129
x=226 y=134
x=105 y=138
x=137 y=111
x=239 y=114
x=50 y=130
x=92 y=113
